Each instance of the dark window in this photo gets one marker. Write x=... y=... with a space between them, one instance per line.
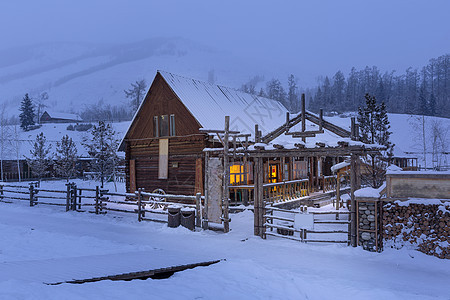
x=164 y=125
x=172 y=125
x=155 y=126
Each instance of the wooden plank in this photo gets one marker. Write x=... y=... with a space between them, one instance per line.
x=199 y=176
x=163 y=165
x=132 y=175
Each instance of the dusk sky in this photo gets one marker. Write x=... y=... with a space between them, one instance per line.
x=323 y=36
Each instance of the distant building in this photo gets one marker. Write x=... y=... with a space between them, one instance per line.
x=54 y=117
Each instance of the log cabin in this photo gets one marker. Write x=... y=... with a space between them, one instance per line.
x=180 y=118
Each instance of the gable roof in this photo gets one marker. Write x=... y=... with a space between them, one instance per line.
x=210 y=103
x=64 y=116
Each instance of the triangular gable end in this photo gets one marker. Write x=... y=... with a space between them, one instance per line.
x=160 y=99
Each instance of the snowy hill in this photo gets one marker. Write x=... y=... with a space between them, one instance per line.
x=75 y=74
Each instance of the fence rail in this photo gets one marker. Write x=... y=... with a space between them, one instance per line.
x=147 y=206
x=284 y=226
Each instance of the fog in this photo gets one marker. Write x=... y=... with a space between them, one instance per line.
x=313 y=37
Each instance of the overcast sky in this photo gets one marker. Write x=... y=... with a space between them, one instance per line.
x=324 y=35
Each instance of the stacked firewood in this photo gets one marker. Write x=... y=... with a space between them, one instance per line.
x=425 y=226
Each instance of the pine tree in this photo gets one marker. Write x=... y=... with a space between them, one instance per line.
x=374 y=128
x=136 y=94
x=276 y=91
x=292 y=97
x=102 y=146
x=40 y=160
x=27 y=113
x=66 y=156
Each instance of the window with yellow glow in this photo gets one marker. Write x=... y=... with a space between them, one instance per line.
x=237 y=173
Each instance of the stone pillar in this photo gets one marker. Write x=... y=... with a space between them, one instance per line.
x=369 y=219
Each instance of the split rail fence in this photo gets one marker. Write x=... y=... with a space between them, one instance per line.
x=147 y=206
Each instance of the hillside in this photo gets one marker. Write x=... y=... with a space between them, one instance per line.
x=76 y=74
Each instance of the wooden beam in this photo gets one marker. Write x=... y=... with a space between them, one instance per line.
x=226 y=178
x=217 y=131
x=352 y=201
x=303 y=116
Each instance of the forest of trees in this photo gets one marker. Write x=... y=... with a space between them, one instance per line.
x=424 y=91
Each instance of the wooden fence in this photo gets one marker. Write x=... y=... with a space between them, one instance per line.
x=147 y=206
x=284 y=226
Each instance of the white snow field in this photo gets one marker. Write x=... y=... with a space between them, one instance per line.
x=46 y=239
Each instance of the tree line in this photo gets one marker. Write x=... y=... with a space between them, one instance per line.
x=424 y=91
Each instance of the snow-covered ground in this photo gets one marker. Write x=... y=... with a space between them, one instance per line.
x=252 y=268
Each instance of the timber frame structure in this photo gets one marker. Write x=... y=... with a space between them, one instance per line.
x=179 y=128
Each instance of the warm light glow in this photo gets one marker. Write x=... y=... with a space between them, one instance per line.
x=237 y=174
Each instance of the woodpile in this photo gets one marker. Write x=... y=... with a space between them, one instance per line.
x=425 y=226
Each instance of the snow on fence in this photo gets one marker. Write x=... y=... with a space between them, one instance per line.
x=147 y=206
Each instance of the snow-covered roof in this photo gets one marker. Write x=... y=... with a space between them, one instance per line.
x=210 y=103
x=65 y=116
x=339 y=166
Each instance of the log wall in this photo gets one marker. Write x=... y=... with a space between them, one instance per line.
x=183 y=153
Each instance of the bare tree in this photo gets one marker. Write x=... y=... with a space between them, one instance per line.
x=136 y=94
x=439 y=136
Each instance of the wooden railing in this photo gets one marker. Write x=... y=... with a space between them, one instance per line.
x=285 y=191
x=272 y=192
x=329 y=183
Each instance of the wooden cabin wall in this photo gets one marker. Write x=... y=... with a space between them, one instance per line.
x=183 y=153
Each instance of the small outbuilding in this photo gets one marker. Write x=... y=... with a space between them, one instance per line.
x=57 y=117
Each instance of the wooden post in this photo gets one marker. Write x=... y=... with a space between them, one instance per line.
x=352 y=128
x=303 y=116
x=74 y=196
x=226 y=178
x=1 y=192
x=245 y=193
x=321 y=119
x=352 y=201
x=68 y=196
x=198 y=210
x=256 y=134
x=79 y=199
x=287 y=122
x=31 y=194
x=139 y=203
x=97 y=199
x=205 y=221
x=338 y=190
x=258 y=195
